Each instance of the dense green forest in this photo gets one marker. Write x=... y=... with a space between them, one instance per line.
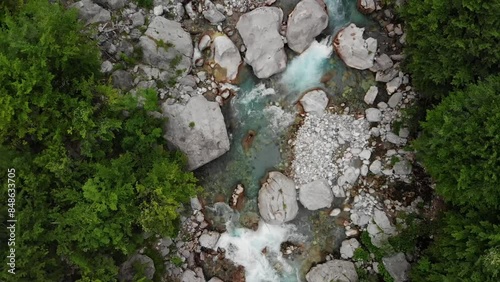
x=454 y=60
x=92 y=170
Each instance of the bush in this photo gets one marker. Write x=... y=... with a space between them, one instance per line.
x=466 y=248
x=451 y=43
x=460 y=145
x=91 y=179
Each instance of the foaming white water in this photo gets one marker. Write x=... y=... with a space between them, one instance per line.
x=305 y=71
x=259 y=251
x=336 y=13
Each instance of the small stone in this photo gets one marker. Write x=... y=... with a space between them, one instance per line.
x=158 y=10
x=371 y=95
x=335 y=212
x=373 y=115
x=395 y=99
x=106 y=67
x=376 y=167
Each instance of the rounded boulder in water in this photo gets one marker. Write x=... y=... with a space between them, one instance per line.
x=278 y=199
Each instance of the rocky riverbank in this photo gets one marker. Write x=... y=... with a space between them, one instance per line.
x=348 y=162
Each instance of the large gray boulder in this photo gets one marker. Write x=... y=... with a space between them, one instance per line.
x=316 y=195
x=278 y=199
x=353 y=49
x=91 y=13
x=334 y=270
x=227 y=55
x=305 y=22
x=259 y=30
x=128 y=268
x=197 y=129
x=397 y=266
x=165 y=45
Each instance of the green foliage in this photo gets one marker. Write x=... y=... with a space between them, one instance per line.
x=361 y=254
x=460 y=145
x=416 y=232
x=191 y=124
x=466 y=249
x=175 y=61
x=177 y=261
x=451 y=43
x=92 y=170
x=148 y=4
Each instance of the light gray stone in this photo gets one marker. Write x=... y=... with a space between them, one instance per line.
x=305 y=22
x=397 y=266
x=227 y=55
x=387 y=75
x=278 y=199
x=373 y=115
x=394 y=139
x=209 y=240
x=316 y=195
x=353 y=49
x=259 y=30
x=314 y=102
x=106 y=67
x=197 y=129
x=376 y=167
x=211 y=13
x=215 y=279
x=91 y=13
x=137 y=19
x=334 y=270
x=395 y=99
x=191 y=276
x=402 y=167
x=348 y=247
x=382 y=63
x=158 y=10
x=371 y=95
x=393 y=85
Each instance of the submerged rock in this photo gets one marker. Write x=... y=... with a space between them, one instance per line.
x=305 y=22
x=197 y=129
x=334 y=270
x=165 y=45
x=227 y=55
x=91 y=13
x=314 y=102
x=316 y=195
x=259 y=30
x=278 y=199
x=353 y=49
x=397 y=266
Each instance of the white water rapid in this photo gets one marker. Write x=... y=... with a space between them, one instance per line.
x=305 y=71
x=259 y=251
